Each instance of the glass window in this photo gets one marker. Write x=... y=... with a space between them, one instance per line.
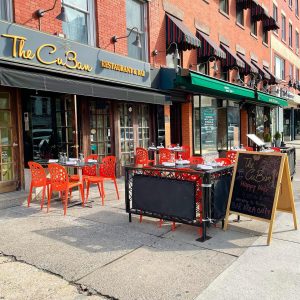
x=254 y=27
x=279 y=69
x=296 y=8
x=80 y=26
x=239 y=14
x=136 y=20
x=260 y=122
x=290 y=3
x=6 y=10
x=224 y=6
x=283 y=29
x=171 y=60
x=275 y=15
x=297 y=40
x=160 y=125
x=265 y=37
x=233 y=125
x=297 y=75
x=290 y=35
x=291 y=72
x=196 y=124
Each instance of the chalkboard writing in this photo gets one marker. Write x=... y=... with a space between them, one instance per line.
x=255 y=183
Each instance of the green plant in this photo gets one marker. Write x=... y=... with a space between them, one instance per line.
x=267 y=137
x=277 y=135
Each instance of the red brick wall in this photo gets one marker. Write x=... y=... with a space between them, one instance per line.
x=244 y=127
x=187 y=123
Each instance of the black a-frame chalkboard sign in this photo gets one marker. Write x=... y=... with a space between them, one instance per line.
x=261 y=184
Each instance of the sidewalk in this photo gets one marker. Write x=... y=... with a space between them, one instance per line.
x=97 y=251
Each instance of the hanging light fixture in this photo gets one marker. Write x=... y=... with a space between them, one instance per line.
x=62 y=16
x=137 y=41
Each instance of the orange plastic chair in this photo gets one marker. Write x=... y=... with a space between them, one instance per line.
x=223 y=161
x=87 y=170
x=231 y=155
x=60 y=182
x=248 y=148
x=276 y=149
x=196 y=160
x=107 y=172
x=165 y=155
x=141 y=157
x=186 y=152
x=38 y=179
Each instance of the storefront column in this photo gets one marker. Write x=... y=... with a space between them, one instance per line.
x=292 y=124
x=187 y=124
x=244 y=127
x=85 y=126
x=167 y=125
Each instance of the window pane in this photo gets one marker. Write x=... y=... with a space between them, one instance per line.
x=134 y=14
x=4 y=101
x=133 y=50
x=4 y=118
x=78 y=3
x=5 y=136
x=76 y=28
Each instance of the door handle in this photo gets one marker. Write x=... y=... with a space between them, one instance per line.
x=15 y=145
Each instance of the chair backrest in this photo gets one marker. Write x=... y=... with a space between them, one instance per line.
x=89 y=170
x=141 y=156
x=196 y=160
x=248 y=148
x=276 y=149
x=91 y=156
x=223 y=161
x=165 y=155
x=59 y=177
x=186 y=152
x=38 y=174
x=108 y=167
x=231 y=155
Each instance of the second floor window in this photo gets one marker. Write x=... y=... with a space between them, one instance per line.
x=279 y=69
x=6 y=10
x=290 y=3
x=224 y=6
x=275 y=15
x=290 y=35
x=254 y=27
x=265 y=37
x=136 y=18
x=296 y=8
x=283 y=29
x=80 y=26
x=239 y=14
x=297 y=40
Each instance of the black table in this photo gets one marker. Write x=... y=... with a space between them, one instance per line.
x=172 y=193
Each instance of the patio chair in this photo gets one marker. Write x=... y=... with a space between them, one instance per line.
x=186 y=152
x=60 y=182
x=248 y=148
x=38 y=179
x=87 y=170
x=223 y=161
x=276 y=149
x=231 y=155
x=141 y=157
x=107 y=172
x=165 y=155
x=196 y=160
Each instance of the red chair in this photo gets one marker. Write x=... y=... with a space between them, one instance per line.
x=165 y=155
x=276 y=149
x=38 y=179
x=231 y=155
x=60 y=182
x=186 y=152
x=248 y=148
x=87 y=170
x=141 y=157
x=196 y=160
x=223 y=161
x=107 y=172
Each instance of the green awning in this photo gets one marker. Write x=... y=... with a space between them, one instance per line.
x=271 y=99
x=199 y=83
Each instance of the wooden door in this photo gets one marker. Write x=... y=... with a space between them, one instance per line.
x=9 y=145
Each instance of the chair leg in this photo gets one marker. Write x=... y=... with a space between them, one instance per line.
x=173 y=226
x=29 y=196
x=66 y=202
x=43 y=197
x=116 y=186
x=49 y=199
x=87 y=191
x=82 y=194
x=102 y=192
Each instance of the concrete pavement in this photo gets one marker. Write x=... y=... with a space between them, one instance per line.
x=97 y=251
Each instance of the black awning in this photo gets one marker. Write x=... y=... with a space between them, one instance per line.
x=269 y=24
x=273 y=78
x=231 y=58
x=258 y=13
x=245 y=4
x=176 y=31
x=249 y=67
x=261 y=71
x=208 y=48
x=66 y=85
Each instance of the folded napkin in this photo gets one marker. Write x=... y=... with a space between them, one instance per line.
x=92 y=160
x=168 y=164
x=182 y=162
x=53 y=160
x=72 y=162
x=204 y=167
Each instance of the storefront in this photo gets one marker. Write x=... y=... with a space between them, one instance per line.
x=62 y=96
x=224 y=113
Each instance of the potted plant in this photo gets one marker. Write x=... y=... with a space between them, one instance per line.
x=277 y=139
x=267 y=139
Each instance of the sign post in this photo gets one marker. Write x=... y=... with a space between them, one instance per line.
x=261 y=184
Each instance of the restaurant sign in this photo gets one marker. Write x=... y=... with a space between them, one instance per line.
x=30 y=47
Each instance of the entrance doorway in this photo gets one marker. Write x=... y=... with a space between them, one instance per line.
x=9 y=148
